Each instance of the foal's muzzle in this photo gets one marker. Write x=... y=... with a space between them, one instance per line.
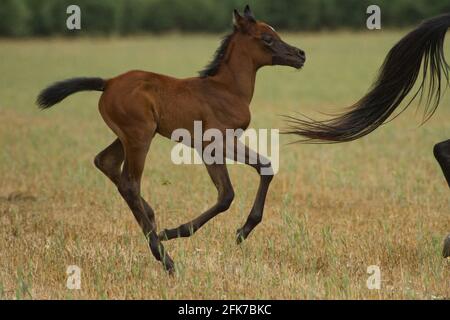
x=287 y=55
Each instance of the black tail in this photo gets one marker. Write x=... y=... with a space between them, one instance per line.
x=61 y=90
x=396 y=79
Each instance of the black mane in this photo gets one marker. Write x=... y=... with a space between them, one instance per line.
x=213 y=67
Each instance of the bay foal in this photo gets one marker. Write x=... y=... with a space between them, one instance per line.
x=137 y=105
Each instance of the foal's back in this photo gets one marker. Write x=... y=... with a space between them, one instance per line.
x=171 y=103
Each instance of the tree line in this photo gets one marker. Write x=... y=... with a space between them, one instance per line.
x=30 y=18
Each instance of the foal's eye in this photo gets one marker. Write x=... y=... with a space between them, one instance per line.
x=268 y=40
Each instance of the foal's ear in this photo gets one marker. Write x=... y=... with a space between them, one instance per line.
x=237 y=18
x=249 y=14
x=242 y=23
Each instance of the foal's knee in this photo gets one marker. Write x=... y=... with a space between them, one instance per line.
x=442 y=151
x=226 y=200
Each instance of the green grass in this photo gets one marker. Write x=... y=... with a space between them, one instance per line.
x=331 y=211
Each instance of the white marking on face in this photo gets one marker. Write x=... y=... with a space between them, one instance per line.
x=273 y=29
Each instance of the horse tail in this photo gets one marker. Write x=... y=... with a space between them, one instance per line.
x=58 y=91
x=396 y=79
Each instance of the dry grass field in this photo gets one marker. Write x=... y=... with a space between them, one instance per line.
x=331 y=212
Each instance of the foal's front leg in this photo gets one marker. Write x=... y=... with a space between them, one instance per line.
x=442 y=154
x=265 y=171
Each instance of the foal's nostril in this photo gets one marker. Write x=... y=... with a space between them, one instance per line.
x=301 y=53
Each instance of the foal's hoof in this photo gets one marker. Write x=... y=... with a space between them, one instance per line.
x=169 y=266
x=446 y=250
x=240 y=236
x=171 y=271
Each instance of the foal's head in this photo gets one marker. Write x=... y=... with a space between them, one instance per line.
x=260 y=41
x=263 y=42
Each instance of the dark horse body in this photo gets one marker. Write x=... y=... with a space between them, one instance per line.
x=137 y=105
x=397 y=77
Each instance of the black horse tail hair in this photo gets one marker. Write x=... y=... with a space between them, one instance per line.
x=396 y=79
x=61 y=90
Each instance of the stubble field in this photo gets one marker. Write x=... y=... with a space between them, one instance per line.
x=331 y=212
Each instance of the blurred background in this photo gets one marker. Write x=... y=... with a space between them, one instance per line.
x=127 y=17
x=332 y=210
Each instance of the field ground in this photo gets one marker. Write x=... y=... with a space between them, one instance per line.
x=332 y=211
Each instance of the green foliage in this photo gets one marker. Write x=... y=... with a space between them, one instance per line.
x=40 y=21
x=48 y=17
x=14 y=18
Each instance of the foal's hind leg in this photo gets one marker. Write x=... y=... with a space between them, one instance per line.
x=109 y=161
x=442 y=154
x=219 y=175
x=130 y=188
x=135 y=139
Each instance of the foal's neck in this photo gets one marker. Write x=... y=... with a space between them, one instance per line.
x=238 y=72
